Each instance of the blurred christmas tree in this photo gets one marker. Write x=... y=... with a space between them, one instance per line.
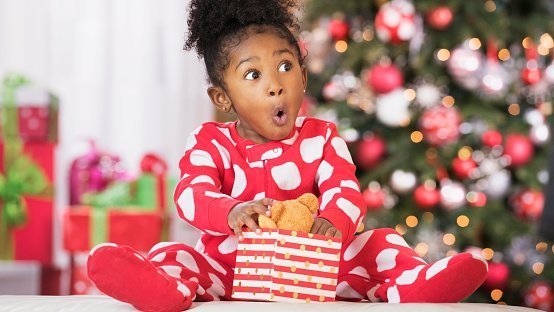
x=445 y=105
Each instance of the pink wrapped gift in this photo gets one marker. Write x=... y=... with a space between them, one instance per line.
x=282 y=265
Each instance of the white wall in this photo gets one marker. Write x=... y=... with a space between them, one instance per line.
x=119 y=70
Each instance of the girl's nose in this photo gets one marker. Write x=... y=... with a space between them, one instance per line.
x=275 y=91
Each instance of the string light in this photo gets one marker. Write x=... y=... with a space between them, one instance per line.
x=449 y=239
x=487 y=253
x=428 y=217
x=448 y=101
x=412 y=221
x=462 y=221
x=543 y=50
x=401 y=229
x=341 y=46
x=416 y=136
x=504 y=55
x=490 y=6
x=421 y=249
x=496 y=294
x=474 y=43
x=465 y=152
x=514 y=109
x=451 y=253
x=547 y=41
x=526 y=42
x=541 y=247
x=538 y=267
x=410 y=94
x=443 y=55
x=368 y=35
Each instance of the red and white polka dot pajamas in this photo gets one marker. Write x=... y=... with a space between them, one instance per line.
x=220 y=170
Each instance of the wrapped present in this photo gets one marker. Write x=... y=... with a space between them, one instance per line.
x=35 y=111
x=282 y=265
x=23 y=175
x=31 y=215
x=85 y=226
x=93 y=172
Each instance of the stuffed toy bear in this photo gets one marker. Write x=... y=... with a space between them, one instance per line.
x=295 y=215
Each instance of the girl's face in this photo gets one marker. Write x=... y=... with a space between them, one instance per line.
x=265 y=85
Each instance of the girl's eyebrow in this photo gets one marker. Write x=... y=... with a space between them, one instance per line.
x=252 y=58
x=281 y=51
x=248 y=59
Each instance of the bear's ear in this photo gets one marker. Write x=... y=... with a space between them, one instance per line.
x=309 y=200
x=276 y=211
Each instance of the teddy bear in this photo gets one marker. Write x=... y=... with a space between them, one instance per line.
x=295 y=215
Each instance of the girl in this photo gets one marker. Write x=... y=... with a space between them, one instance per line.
x=231 y=172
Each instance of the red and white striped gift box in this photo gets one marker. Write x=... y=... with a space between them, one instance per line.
x=282 y=265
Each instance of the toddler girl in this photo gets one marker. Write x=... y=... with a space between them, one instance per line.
x=232 y=172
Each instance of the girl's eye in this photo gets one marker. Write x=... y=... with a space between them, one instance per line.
x=252 y=74
x=286 y=66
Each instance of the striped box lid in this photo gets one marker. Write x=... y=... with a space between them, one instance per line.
x=282 y=265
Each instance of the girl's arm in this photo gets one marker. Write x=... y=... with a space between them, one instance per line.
x=197 y=195
x=341 y=202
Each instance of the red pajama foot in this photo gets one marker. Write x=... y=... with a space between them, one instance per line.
x=122 y=273
x=448 y=280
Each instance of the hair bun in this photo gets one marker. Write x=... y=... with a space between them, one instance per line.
x=208 y=19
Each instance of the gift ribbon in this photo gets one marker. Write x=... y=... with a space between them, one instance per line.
x=156 y=166
x=98 y=226
x=22 y=175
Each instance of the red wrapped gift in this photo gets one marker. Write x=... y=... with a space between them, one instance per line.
x=282 y=265
x=85 y=226
x=38 y=114
x=33 y=240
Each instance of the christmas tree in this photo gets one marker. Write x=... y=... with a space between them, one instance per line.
x=445 y=106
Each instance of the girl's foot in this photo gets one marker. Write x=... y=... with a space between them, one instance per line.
x=122 y=273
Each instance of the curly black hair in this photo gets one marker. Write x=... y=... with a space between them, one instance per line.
x=216 y=26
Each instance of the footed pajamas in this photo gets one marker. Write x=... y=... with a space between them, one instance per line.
x=220 y=170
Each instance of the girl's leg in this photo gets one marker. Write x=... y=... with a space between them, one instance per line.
x=397 y=274
x=153 y=283
x=214 y=279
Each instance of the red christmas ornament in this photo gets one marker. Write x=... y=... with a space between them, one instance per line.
x=498 y=276
x=531 y=74
x=384 y=78
x=440 y=125
x=394 y=21
x=491 y=138
x=528 y=204
x=374 y=198
x=426 y=197
x=540 y=296
x=463 y=167
x=440 y=17
x=477 y=199
x=519 y=148
x=370 y=152
x=338 y=29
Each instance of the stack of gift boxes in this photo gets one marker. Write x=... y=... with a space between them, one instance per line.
x=107 y=205
x=27 y=152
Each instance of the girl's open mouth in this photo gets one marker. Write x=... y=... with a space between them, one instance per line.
x=280 y=116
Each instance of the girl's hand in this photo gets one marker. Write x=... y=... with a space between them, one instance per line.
x=324 y=227
x=247 y=214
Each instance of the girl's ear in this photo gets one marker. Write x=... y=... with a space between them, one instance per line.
x=219 y=98
x=304 y=77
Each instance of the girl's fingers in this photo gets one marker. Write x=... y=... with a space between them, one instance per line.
x=237 y=228
x=266 y=201
x=330 y=232
x=260 y=209
x=338 y=234
x=251 y=224
x=316 y=227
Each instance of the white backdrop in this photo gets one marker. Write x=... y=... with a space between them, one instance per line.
x=119 y=70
